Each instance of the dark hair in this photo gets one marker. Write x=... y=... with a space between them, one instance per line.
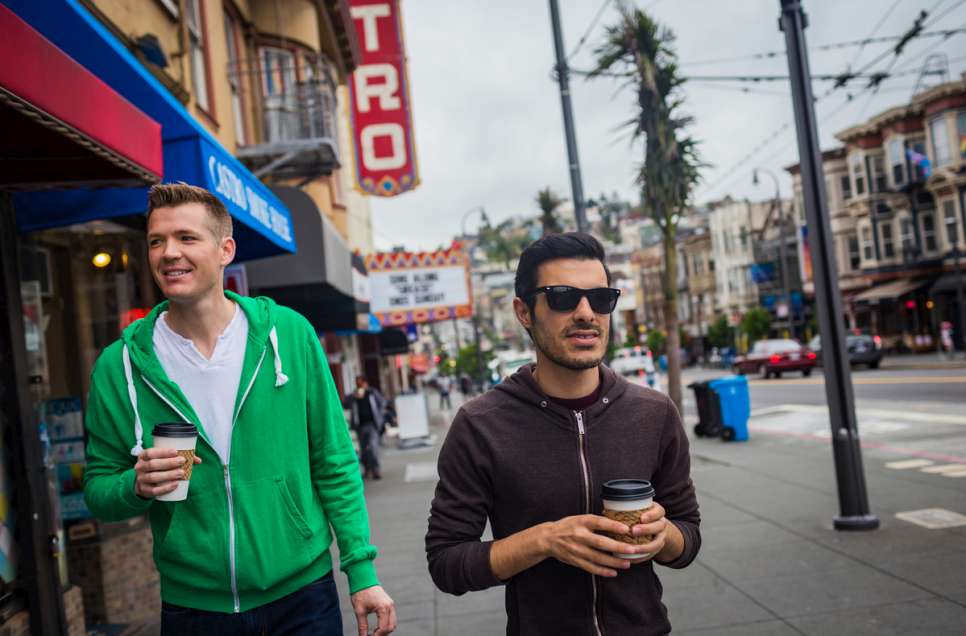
x=169 y=195
x=577 y=245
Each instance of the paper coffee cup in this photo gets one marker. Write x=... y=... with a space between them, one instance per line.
x=624 y=501
x=182 y=437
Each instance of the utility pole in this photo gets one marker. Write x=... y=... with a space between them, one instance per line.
x=563 y=79
x=846 y=449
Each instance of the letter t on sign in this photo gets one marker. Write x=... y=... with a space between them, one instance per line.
x=369 y=14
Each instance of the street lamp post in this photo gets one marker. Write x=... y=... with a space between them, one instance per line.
x=854 y=513
x=783 y=246
x=476 y=317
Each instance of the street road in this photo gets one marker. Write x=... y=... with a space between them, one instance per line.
x=909 y=419
x=927 y=388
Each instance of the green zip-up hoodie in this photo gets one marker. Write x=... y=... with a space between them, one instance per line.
x=257 y=529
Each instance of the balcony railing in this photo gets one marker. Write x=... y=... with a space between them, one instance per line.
x=299 y=136
x=307 y=112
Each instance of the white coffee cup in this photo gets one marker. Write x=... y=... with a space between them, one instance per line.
x=628 y=495
x=180 y=436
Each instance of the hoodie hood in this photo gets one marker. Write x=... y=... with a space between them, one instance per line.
x=138 y=354
x=523 y=386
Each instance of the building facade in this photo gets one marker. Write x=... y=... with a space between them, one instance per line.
x=732 y=225
x=248 y=99
x=896 y=201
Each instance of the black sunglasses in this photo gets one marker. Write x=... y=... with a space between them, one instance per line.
x=602 y=300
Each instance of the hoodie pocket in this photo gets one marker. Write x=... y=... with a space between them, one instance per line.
x=273 y=540
x=193 y=552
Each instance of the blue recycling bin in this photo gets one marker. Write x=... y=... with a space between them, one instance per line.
x=735 y=403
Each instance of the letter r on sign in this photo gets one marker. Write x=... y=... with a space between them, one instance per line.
x=384 y=92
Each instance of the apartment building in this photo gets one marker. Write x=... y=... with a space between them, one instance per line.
x=896 y=202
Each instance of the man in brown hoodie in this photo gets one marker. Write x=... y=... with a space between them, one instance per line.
x=530 y=457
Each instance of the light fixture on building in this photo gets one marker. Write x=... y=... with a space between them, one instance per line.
x=930 y=304
x=150 y=47
x=101 y=260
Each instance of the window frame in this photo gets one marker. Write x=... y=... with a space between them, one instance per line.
x=867 y=244
x=198 y=40
x=888 y=240
x=857 y=173
x=942 y=120
x=897 y=161
x=854 y=252
x=929 y=234
x=907 y=234
x=234 y=42
x=952 y=229
x=845 y=182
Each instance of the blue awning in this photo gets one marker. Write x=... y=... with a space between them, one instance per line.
x=263 y=224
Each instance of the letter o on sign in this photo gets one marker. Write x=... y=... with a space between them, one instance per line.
x=397 y=139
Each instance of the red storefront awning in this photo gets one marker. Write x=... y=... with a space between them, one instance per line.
x=61 y=126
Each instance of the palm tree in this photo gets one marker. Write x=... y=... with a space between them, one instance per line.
x=639 y=49
x=548 y=202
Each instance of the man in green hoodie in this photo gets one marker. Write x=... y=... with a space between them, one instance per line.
x=248 y=551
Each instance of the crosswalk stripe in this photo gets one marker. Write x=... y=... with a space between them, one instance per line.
x=909 y=463
x=945 y=469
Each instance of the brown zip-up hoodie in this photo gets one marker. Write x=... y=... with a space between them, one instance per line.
x=514 y=457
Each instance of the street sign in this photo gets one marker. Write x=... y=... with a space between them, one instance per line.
x=382 y=128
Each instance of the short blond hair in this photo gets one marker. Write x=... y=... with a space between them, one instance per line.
x=169 y=195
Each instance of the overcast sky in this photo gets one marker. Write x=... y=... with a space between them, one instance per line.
x=488 y=121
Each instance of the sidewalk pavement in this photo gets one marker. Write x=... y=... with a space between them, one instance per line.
x=770 y=561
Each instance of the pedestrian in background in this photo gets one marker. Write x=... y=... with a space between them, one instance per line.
x=530 y=456
x=466 y=386
x=445 y=384
x=368 y=420
x=276 y=477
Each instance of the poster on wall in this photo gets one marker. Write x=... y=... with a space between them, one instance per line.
x=381 y=109
x=417 y=287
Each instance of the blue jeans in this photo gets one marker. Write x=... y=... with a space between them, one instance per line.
x=312 y=610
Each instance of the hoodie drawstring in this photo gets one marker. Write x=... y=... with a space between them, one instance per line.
x=280 y=378
x=133 y=396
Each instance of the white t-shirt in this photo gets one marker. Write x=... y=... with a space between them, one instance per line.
x=210 y=385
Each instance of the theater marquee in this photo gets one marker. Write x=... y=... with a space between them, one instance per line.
x=411 y=288
x=385 y=157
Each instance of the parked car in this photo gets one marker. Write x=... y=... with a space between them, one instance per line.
x=632 y=360
x=774 y=357
x=863 y=349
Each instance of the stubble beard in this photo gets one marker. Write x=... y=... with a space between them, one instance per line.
x=548 y=347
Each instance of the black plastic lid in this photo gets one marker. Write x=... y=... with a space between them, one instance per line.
x=627 y=489
x=175 y=429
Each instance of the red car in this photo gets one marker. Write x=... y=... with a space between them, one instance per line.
x=774 y=357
